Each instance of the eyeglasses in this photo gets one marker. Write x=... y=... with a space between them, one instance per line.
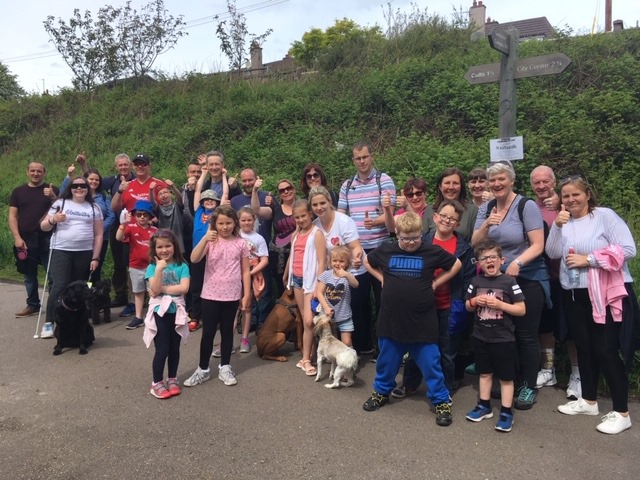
x=78 y=186
x=410 y=239
x=285 y=190
x=142 y=214
x=419 y=193
x=447 y=218
x=312 y=176
x=492 y=258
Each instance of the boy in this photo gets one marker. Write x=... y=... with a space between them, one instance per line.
x=168 y=211
x=407 y=320
x=495 y=298
x=138 y=235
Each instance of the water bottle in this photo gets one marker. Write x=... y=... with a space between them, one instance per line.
x=574 y=273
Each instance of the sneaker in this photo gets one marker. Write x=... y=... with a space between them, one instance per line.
x=471 y=369
x=526 y=398
x=546 y=378
x=579 y=407
x=574 y=389
x=174 y=387
x=198 y=377
x=26 y=312
x=159 y=390
x=194 y=325
x=47 y=330
x=217 y=354
x=401 y=392
x=135 y=323
x=245 y=346
x=129 y=310
x=226 y=375
x=613 y=423
x=375 y=401
x=479 y=413
x=505 y=422
x=443 y=414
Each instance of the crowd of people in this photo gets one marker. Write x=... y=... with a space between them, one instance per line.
x=489 y=284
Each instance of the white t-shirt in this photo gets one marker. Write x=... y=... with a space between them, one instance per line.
x=75 y=234
x=342 y=232
x=256 y=243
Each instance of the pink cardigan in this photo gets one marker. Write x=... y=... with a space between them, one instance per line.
x=164 y=301
x=606 y=284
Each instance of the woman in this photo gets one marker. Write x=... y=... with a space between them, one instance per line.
x=283 y=227
x=478 y=186
x=77 y=241
x=451 y=187
x=520 y=233
x=313 y=176
x=595 y=245
x=412 y=199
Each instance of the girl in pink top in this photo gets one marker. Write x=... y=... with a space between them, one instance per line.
x=227 y=281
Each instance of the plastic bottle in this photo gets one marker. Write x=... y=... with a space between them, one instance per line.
x=574 y=273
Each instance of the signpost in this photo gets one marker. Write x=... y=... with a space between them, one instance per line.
x=552 y=64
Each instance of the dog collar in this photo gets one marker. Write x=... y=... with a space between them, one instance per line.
x=65 y=306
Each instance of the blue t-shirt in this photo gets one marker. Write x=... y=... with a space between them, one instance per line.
x=172 y=275
x=200 y=224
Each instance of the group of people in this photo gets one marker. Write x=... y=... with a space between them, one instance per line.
x=501 y=275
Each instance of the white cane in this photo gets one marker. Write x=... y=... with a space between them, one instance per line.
x=44 y=287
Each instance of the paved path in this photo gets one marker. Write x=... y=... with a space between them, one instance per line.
x=89 y=417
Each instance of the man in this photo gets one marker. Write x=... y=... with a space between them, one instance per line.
x=553 y=325
x=361 y=198
x=28 y=204
x=125 y=197
x=215 y=167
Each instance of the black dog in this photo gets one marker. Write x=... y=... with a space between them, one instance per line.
x=71 y=317
x=101 y=301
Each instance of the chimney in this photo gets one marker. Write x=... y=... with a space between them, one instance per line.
x=256 y=56
x=618 y=25
x=477 y=14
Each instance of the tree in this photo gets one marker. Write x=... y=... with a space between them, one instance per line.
x=9 y=87
x=120 y=42
x=233 y=37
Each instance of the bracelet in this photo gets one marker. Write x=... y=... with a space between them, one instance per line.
x=95 y=259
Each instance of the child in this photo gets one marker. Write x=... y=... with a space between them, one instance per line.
x=407 y=320
x=258 y=260
x=495 y=298
x=334 y=294
x=306 y=262
x=138 y=235
x=227 y=279
x=168 y=211
x=166 y=321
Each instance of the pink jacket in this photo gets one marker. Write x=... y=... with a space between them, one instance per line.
x=606 y=284
x=164 y=301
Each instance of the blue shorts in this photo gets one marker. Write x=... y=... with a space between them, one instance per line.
x=296 y=282
x=345 y=325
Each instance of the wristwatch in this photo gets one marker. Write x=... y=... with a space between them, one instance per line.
x=519 y=263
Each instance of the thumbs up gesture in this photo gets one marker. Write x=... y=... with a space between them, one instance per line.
x=494 y=217
x=70 y=170
x=386 y=200
x=552 y=203
x=257 y=184
x=124 y=185
x=563 y=216
x=268 y=200
x=368 y=223
x=212 y=234
x=48 y=192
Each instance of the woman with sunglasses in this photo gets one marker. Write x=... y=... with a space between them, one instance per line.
x=313 y=176
x=77 y=241
x=595 y=245
x=283 y=227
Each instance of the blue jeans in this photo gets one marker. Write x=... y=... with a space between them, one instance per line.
x=38 y=248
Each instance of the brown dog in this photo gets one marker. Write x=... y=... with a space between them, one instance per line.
x=283 y=319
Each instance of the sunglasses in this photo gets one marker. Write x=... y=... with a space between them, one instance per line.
x=313 y=176
x=78 y=186
x=285 y=189
x=419 y=193
x=571 y=178
x=142 y=214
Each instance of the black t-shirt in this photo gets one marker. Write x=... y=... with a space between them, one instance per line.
x=408 y=309
x=283 y=227
x=491 y=325
x=32 y=204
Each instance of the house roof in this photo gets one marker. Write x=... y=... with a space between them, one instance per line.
x=529 y=28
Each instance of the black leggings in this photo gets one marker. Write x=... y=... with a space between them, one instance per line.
x=216 y=313
x=167 y=343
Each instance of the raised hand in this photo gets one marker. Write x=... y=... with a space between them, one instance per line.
x=49 y=192
x=494 y=217
x=124 y=185
x=386 y=200
x=152 y=186
x=563 y=216
x=168 y=182
x=161 y=264
x=368 y=223
x=268 y=200
x=258 y=184
x=71 y=169
x=81 y=158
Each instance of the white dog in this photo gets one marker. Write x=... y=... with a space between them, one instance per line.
x=344 y=360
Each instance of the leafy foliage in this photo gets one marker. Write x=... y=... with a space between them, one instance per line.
x=9 y=87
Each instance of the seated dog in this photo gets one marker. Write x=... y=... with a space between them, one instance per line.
x=101 y=301
x=71 y=317
x=283 y=319
x=344 y=360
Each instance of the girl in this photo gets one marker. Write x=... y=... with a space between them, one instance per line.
x=166 y=321
x=306 y=262
x=333 y=291
x=227 y=279
x=258 y=260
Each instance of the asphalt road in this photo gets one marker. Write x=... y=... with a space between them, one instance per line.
x=90 y=417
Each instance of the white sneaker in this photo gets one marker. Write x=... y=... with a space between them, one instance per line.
x=226 y=375
x=579 y=406
x=47 y=330
x=546 y=378
x=198 y=377
x=613 y=423
x=217 y=354
x=574 y=389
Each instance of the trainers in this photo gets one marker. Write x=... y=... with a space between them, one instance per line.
x=217 y=354
x=471 y=369
x=546 y=378
x=574 y=389
x=159 y=390
x=479 y=413
x=526 y=398
x=401 y=392
x=198 y=377
x=194 y=325
x=129 y=310
x=174 y=387
x=135 y=323
x=245 y=346
x=26 y=312
x=613 y=423
x=375 y=401
x=47 y=330
x=226 y=375
x=579 y=407
x=443 y=414
x=505 y=422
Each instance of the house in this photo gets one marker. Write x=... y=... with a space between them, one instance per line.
x=530 y=29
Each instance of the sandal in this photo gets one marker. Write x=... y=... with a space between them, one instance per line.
x=308 y=368
x=300 y=365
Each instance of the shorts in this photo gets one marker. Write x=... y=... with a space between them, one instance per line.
x=296 y=281
x=137 y=280
x=345 y=325
x=496 y=358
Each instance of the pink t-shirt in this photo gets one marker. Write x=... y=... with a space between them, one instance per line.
x=223 y=269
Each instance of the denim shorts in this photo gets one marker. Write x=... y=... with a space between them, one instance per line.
x=296 y=281
x=345 y=325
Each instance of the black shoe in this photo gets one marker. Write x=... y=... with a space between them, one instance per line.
x=376 y=401
x=119 y=302
x=135 y=323
x=443 y=414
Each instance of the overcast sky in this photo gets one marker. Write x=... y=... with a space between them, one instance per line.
x=26 y=50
